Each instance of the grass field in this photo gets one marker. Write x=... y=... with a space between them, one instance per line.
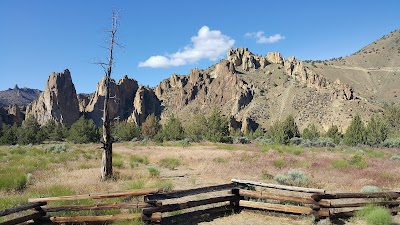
x=64 y=169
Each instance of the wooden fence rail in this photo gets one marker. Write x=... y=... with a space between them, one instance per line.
x=262 y=196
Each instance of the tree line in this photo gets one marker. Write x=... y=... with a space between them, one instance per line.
x=381 y=130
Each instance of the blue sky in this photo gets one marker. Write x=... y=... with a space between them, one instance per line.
x=165 y=37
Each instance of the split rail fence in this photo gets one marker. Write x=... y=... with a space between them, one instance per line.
x=179 y=207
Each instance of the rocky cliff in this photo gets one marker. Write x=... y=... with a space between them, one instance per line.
x=121 y=102
x=58 y=101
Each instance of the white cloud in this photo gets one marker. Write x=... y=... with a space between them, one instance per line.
x=208 y=44
x=260 y=38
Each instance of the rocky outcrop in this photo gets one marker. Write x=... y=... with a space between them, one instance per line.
x=342 y=91
x=145 y=104
x=275 y=57
x=248 y=61
x=83 y=100
x=58 y=101
x=296 y=69
x=11 y=115
x=120 y=105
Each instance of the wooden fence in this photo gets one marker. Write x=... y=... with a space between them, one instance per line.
x=205 y=203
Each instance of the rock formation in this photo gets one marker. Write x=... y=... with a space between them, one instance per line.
x=121 y=104
x=145 y=104
x=57 y=102
x=12 y=114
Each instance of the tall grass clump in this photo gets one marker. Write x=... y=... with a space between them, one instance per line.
x=135 y=160
x=170 y=163
x=375 y=215
x=12 y=180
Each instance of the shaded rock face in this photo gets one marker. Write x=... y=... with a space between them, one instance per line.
x=145 y=104
x=57 y=102
x=343 y=91
x=120 y=105
x=11 y=115
x=83 y=100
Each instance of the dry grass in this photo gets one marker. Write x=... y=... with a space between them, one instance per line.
x=208 y=164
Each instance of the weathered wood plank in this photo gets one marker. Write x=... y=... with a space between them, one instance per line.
x=280 y=187
x=98 y=196
x=189 y=204
x=96 y=207
x=196 y=217
x=195 y=191
x=278 y=197
x=360 y=204
x=22 y=208
x=386 y=195
x=276 y=207
x=80 y=219
x=33 y=216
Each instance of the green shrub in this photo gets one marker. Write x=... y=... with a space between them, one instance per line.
x=135 y=160
x=395 y=157
x=311 y=132
x=153 y=172
x=125 y=131
x=13 y=181
x=83 y=131
x=240 y=140
x=185 y=142
x=339 y=164
x=294 y=177
x=355 y=133
x=319 y=142
x=117 y=160
x=136 y=184
x=196 y=129
x=392 y=143
x=170 y=163
x=279 y=163
x=173 y=129
x=359 y=161
x=375 y=215
x=59 y=148
x=370 y=189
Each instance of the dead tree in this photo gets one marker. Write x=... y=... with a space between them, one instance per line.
x=106 y=166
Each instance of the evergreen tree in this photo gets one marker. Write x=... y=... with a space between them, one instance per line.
x=196 y=130
x=377 y=131
x=125 y=131
x=150 y=126
x=83 y=131
x=285 y=131
x=355 y=133
x=391 y=115
x=9 y=135
x=334 y=134
x=217 y=127
x=54 y=131
x=311 y=132
x=30 y=132
x=173 y=129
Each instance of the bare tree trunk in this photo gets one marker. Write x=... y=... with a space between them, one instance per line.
x=106 y=168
